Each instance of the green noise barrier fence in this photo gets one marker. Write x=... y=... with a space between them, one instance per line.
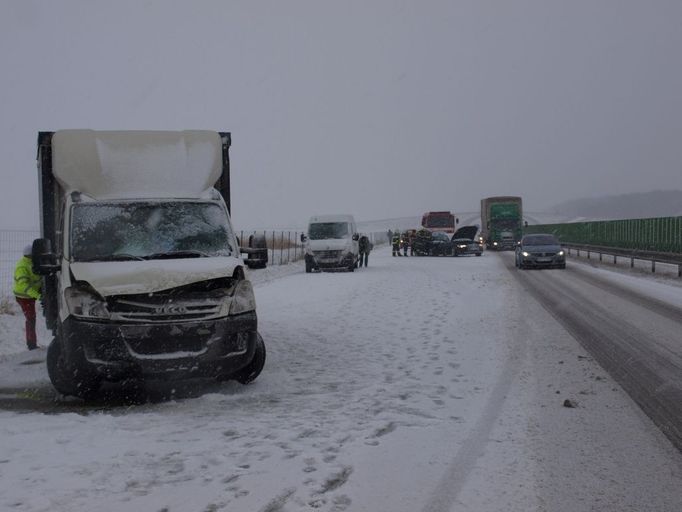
x=660 y=234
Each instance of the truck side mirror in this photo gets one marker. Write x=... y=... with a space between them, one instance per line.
x=44 y=260
x=303 y=237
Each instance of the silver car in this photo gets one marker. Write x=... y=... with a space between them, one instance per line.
x=540 y=250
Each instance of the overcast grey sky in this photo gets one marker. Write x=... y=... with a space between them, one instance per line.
x=381 y=109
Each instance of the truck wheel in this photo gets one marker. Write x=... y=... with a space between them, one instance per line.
x=252 y=370
x=65 y=380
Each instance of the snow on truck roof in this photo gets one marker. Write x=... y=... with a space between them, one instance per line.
x=137 y=164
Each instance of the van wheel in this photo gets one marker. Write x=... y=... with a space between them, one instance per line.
x=252 y=370
x=65 y=380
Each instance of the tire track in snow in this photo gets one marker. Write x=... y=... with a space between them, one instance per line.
x=472 y=448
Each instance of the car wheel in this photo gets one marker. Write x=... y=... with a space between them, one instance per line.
x=562 y=266
x=252 y=370
x=66 y=380
x=478 y=254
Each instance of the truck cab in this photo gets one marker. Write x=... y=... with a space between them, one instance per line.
x=143 y=276
x=331 y=243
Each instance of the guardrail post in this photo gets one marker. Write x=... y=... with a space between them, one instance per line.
x=615 y=259
x=679 y=270
x=600 y=257
x=653 y=266
x=632 y=262
x=288 y=246
x=588 y=254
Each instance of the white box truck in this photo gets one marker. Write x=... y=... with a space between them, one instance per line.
x=143 y=277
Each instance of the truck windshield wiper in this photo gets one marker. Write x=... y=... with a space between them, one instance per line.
x=176 y=254
x=114 y=257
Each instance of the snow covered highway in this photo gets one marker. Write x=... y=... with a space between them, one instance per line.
x=416 y=384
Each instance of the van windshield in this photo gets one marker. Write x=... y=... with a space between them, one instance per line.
x=326 y=230
x=143 y=230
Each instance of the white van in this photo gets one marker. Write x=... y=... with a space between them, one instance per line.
x=332 y=243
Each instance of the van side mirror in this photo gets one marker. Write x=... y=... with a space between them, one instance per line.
x=44 y=260
x=356 y=237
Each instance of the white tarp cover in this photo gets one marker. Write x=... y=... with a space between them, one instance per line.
x=131 y=277
x=137 y=164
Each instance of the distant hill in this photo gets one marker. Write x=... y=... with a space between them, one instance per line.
x=659 y=203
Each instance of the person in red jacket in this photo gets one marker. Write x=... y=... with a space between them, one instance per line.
x=27 y=286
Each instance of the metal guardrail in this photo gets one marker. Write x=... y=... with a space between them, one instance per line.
x=633 y=255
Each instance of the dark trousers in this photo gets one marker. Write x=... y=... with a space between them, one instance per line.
x=28 y=306
x=364 y=256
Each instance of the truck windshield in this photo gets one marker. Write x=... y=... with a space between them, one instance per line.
x=105 y=232
x=326 y=230
x=440 y=221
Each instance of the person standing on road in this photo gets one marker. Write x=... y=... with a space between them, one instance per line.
x=395 y=242
x=27 y=286
x=364 y=246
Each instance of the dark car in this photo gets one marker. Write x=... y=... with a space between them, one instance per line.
x=440 y=244
x=540 y=250
x=464 y=242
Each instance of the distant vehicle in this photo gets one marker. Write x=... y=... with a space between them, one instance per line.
x=464 y=242
x=142 y=271
x=441 y=245
x=540 y=250
x=331 y=243
x=502 y=221
x=439 y=222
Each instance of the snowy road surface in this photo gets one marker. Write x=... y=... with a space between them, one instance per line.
x=643 y=352
x=418 y=384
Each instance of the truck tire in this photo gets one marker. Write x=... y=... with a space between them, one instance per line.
x=252 y=370
x=66 y=380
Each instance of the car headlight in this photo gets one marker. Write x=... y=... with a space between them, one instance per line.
x=525 y=254
x=494 y=243
x=243 y=299
x=462 y=246
x=85 y=303
x=560 y=253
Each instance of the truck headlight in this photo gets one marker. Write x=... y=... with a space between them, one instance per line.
x=525 y=254
x=85 y=303
x=243 y=299
x=560 y=253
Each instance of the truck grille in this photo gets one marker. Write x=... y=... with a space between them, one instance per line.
x=159 y=309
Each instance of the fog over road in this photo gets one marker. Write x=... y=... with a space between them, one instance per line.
x=417 y=384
